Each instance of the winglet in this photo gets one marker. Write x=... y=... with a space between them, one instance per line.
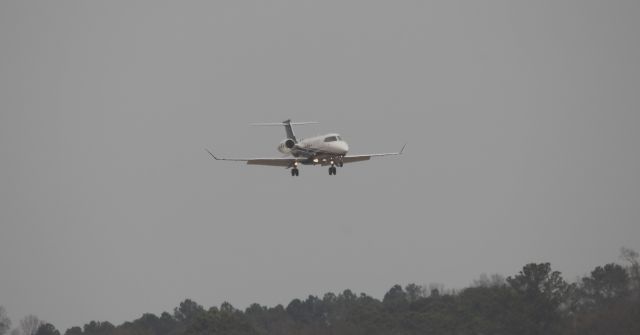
x=212 y=155
x=401 y=150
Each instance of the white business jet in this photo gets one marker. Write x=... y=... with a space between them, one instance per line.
x=326 y=150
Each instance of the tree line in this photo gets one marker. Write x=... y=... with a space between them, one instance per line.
x=537 y=300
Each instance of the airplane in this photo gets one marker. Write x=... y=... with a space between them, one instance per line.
x=326 y=150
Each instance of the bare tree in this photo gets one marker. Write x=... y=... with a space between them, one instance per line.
x=5 y=322
x=495 y=280
x=631 y=256
x=30 y=324
x=436 y=289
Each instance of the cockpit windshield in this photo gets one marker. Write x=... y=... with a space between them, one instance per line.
x=331 y=139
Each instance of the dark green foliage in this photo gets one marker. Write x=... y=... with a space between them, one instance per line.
x=607 y=302
x=537 y=300
x=606 y=285
x=98 y=328
x=396 y=301
x=73 y=331
x=187 y=311
x=47 y=329
x=226 y=320
x=150 y=324
x=488 y=310
x=414 y=292
x=538 y=295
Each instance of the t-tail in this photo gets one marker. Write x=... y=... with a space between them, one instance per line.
x=287 y=127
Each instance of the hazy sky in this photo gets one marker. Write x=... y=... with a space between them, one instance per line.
x=521 y=117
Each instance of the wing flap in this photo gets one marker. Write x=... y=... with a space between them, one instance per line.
x=360 y=158
x=353 y=159
x=285 y=162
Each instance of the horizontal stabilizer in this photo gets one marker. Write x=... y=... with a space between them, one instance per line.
x=287 y=127
x=283 y=123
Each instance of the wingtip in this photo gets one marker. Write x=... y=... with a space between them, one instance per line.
x=402 y=150
x=212 y=155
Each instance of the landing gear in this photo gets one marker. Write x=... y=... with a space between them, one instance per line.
x=295 y=172
x=332 y=170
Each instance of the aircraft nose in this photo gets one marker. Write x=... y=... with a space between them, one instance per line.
x=344 y=146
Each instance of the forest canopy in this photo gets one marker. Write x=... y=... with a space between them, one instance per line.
x=536 y=300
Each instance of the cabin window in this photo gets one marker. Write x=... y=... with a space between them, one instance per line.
x=331 y=139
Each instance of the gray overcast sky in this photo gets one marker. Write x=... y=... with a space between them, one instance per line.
x=521 y=119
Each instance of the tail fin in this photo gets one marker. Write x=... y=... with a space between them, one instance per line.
x=287 y=127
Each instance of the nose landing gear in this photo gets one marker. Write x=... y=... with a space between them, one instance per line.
x=332 y=169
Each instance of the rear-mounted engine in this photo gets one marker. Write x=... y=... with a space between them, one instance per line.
x=286 y=146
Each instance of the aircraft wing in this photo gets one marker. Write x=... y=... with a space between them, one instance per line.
x=285 y=162
x=288 y=161
x=360 y=158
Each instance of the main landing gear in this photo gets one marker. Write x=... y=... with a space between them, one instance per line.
x=332 y=169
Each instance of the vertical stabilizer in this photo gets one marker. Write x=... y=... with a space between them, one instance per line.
x=289 y=130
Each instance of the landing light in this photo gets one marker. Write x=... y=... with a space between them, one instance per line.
x=315 y=160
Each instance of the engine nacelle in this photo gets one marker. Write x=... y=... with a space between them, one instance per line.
x=286 y=146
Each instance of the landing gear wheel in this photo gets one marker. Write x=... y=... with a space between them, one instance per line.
x=332 y=170
x=295 y=172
